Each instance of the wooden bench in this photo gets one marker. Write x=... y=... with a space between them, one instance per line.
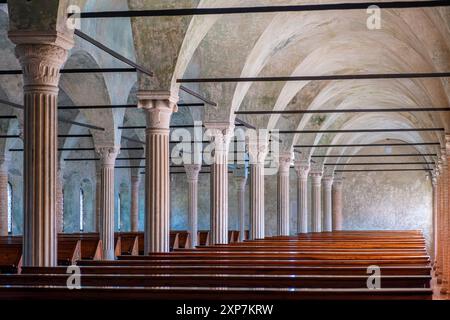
x=203 y=238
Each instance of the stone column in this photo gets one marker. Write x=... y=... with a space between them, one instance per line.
x=98 y=200
x=440 y=223
x=241 y=182
x=41 y=62
x=192 y=171
x=337 y=204
x=59 y=202
x=316 y=199
x=302 y=169
x=159 y=106
x=435 y=210
x=134 y=210
x=4 y=195
x=446 y=217
x=222 y=133
x=257 y=151
x=327 y=182
x=108 y=156
x=284 y=166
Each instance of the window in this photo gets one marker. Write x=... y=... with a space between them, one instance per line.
x=81 y=209
x=9 y=208
x=119 y=209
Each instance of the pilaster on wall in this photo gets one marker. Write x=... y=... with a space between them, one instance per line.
x=222 y=133
x=41 y=55
x=159 y=106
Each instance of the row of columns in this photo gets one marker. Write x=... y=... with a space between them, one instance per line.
x=441 y=216
x=41 y=63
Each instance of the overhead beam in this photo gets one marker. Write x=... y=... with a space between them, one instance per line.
x=373 y=76
x=8 y=117
x=379 y=163
x=80 y=149
x=261 y=9
x=382 y=170
x=198 y=96
x=366 y=145
x=361 y=130
x=72 y=71
x=112 y=52
x=245 y=124
x=121 y=106
x=418 y=109
x=376 y=155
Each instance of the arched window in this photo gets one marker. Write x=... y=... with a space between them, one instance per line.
x=81 y=210
x=10 y=195
x=119 y=209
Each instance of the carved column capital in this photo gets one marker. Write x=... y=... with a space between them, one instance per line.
x=41 y=63
x=316 y=177
x=108 y=154
x=221 y=132
x=258 y=146
x=159 y=106
x=302 y=168
x=338 y=183
x=192 y=171
x=327 y=182
x=241 y=182
x=284 y=162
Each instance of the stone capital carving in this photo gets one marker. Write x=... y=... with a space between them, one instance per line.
x=221 y=132
x=258 y=146
x=338 y=183
x=284 y=162
x=241 y=182
x=327 y=182
x=135 y=179
x=108 y=154
x=447 y=143
x=316 y=177
x=41 y=63
x=192 y=171
x=302 y=168
x=159 y=106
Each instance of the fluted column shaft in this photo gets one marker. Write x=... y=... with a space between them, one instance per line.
x=440 y=226
x=257 y=147
x=59 y=203
x=434 y=231
x=222 y=133
x=3 y=196
x=446 y=222
x=316 y=201
x=98 y=200
x=284 y=166
x=159 y=106
x=257 y=201
x=327 y=220
x=41 y=64
x=302 y=168
x=192 y=171
x=337 y=205
x=134 y=209
x=241 y=182
x=107 y=157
